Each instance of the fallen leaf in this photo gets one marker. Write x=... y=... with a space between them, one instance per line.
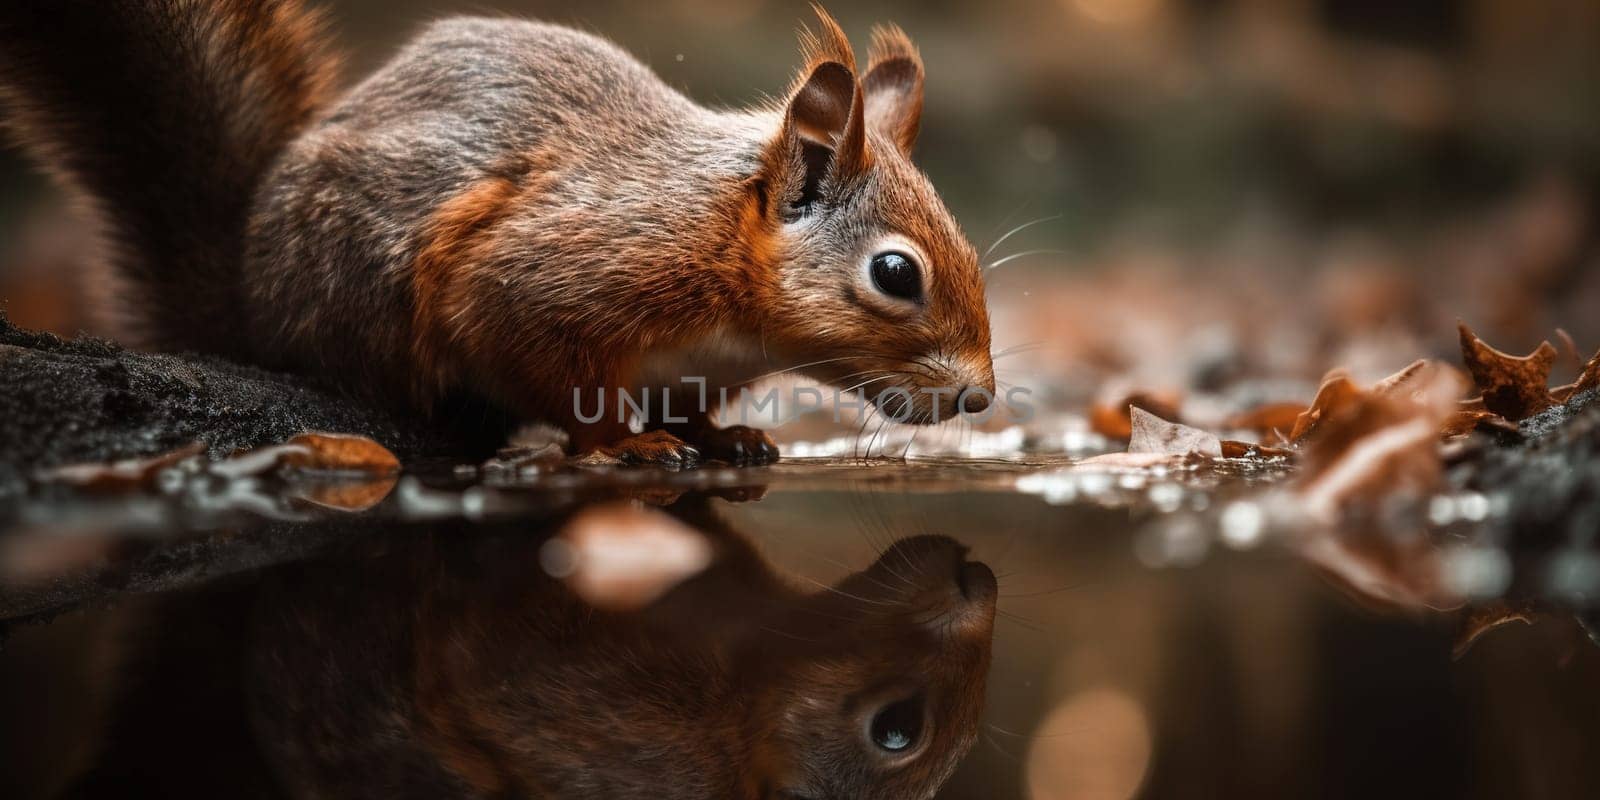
x=1515 y=388
x=1269 y=418
x=133 y=473
x=1431 y=384
x=1378 y=445
x=1397 y=382
x=1237 y=449
x=1588 y=379
x=1382 y=453
x=1336 y=393
x=347 y=495
x=1152 y=434
x=339 y=452
x=1466 y=420
x=1112 y=420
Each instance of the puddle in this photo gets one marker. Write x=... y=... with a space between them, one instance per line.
x=496 y=629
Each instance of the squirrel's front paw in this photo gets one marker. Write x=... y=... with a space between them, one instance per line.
x=654 y=447
x=737 y=444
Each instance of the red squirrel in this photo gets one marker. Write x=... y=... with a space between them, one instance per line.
x=509 y=210
x=448 y=664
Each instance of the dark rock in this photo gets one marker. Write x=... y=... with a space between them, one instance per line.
x=89 y=400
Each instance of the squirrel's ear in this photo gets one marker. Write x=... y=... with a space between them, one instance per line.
x=824 y=124
x=894 y=86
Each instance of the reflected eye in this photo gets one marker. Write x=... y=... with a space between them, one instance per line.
x=897 y=726
x=896 y=275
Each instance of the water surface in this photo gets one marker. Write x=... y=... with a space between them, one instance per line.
x=1151 y=635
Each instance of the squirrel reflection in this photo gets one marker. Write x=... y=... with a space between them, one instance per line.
x=453 y=667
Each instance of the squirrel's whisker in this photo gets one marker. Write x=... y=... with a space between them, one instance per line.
x=1020 y=228
x=884 y=376
x=819 y=362
x=1023 y=254
x=1030 y=736
x=843 y=593
x=1016 y=348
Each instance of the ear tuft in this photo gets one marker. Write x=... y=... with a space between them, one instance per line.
x=893 y=86
x=829 y=45
x=823 y=142
x=890 y=42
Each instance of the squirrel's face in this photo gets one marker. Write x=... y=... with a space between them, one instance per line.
x=873 y=284
x=886 y=698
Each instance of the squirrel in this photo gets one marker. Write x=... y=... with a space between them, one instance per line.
x=450 y=664
x=507 y=210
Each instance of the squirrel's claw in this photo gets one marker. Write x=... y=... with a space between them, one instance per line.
x=739 y=445
x=654 y=447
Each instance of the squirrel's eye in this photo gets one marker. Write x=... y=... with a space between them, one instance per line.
x=896 y=727
x=896 y=275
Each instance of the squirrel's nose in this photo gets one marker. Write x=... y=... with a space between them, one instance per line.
x=974 y=399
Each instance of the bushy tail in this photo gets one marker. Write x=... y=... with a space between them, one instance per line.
x=164 y=115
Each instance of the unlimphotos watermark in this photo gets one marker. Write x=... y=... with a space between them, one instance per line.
x=775 y=406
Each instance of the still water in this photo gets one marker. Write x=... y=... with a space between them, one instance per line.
x=1021 y=626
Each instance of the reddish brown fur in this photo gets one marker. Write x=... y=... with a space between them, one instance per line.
x=466 y=329
x=163 y=116
x=894 y=80
x=736 y=684
x=463 y=328
x=559 y=227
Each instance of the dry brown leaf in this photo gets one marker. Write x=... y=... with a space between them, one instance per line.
x=133 y=473
x=1152 y=434
x=1379 y=444
x=1466 y=420
x=356 y=495
x=1588 y=379
x=1267 y=419
x=1515 y=388
x=1400 y=380
x=1236 y=449
x=339 y=452
x=1336 y=393
x=1113 y=421
x=1378 y=447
